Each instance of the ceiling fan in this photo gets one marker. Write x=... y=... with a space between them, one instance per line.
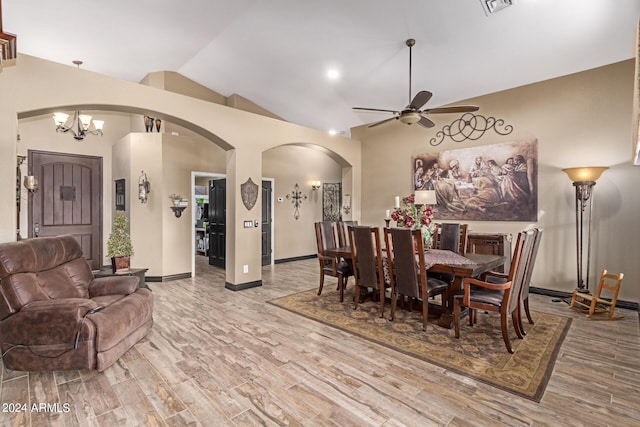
x=412 y=113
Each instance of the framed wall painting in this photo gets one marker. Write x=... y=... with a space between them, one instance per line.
x=496 y=182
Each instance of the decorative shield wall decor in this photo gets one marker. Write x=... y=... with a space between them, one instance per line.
x=249 y=193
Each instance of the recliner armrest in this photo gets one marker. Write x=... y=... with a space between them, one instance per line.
x=113 y=285
x=43 y=322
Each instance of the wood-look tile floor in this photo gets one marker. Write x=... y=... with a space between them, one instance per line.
x=217 y=357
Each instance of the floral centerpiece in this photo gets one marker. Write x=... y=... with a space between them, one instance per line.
x=410 y=215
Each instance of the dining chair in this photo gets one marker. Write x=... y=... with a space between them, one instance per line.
x=451 y=237
x=330 y=264
x=407 y=271
x=524 y=292
x=343 y=232
x=366 y=253
x=604 y=300
x=497 y=297
x=498 y=277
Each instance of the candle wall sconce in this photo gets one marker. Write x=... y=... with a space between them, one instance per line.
x=296 y=198
x=346 y=203
x=315 y=185
x=144 y=188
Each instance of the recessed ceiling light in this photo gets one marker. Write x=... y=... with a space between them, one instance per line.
x=333 y=74
x=333 y=132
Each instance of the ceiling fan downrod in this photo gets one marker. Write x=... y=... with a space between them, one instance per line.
x=410 y=43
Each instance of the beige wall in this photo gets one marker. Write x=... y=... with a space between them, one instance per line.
x=37 y=87
x=579 y=120
x=291 y=165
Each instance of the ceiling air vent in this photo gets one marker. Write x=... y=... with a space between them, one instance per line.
x=493 y=6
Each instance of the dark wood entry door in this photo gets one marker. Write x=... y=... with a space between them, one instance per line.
x=217 y=222
x=68 y=200
x=266 y=222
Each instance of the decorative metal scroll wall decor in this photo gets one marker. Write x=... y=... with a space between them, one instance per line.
x=331 y=193
x=296 y=198
x=470 y=126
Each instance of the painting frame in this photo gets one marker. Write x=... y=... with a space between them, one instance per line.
x=497 y=182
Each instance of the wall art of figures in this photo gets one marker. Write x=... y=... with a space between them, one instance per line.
x=496 y=182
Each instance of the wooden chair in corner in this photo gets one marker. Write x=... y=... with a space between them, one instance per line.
x=604 y=300
x=366 y=253
x=330 y=264
x=500 y=298
x=407 y=270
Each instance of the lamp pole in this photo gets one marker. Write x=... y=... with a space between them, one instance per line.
x=583 y=180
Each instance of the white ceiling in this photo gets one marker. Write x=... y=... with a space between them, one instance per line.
x=277 y=53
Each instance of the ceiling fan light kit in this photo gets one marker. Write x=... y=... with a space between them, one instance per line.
x=412 y=113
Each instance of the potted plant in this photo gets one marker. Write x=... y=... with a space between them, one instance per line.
x=119 y=247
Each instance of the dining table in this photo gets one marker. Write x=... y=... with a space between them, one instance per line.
x=443 y=261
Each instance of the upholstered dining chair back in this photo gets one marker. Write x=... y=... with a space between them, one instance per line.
x=344 y=239
x=327 y=236
x=450 y=237
x=404 y=262
x=518 y=270
x=367 y=253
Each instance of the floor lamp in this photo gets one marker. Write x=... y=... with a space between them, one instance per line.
x=584 y=179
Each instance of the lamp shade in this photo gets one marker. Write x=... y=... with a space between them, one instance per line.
x=425 y=197
x=586 y=173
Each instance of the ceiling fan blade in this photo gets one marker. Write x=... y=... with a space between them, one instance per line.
x=420 y=99
x=382 y=122
x=424 y=122
x=458 y=109
x=376 y=109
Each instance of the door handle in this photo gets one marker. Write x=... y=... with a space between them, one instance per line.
x=36 y=229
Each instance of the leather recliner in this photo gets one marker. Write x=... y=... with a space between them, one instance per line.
x=54 y=315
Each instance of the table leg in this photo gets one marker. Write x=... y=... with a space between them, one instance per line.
x=446 y=318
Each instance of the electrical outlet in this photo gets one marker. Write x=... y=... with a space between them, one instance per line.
x=245 y=268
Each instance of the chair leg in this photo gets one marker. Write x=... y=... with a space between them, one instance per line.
x=381 y=292
x=321 y=282
x=394 y=301
x=517 y=323
x=504 y=323
x=526 y=310
x=341 y=285
x=356 y=298
x=520 y=324
x=425 y=313
x=456 y=316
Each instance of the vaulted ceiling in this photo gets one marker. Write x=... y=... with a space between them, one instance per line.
x=277 y=53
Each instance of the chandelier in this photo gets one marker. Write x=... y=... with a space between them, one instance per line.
x=79 y=126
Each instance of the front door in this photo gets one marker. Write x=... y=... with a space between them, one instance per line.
x=217 y=222
x=266 y=222
x=68 y=200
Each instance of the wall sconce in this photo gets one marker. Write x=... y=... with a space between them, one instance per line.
x=31 y=183
x=583 y=179
x=315 y=185
x=144 y=188
x=346 y=203
x=179 y=204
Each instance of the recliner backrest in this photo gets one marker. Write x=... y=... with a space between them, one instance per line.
x=40 y=269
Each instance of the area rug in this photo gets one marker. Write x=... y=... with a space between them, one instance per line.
x=480 y=352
